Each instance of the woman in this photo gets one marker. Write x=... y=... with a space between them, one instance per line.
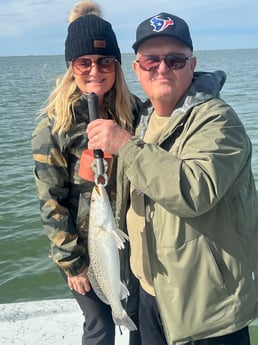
x=94 y=65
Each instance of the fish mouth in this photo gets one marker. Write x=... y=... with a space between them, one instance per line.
x=97 y=189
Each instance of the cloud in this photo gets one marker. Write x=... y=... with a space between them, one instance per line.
x=39 y=26
x=18 y=17
x=220 y=22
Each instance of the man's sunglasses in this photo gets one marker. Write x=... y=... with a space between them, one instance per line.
x=174 y=61
x=83 y=65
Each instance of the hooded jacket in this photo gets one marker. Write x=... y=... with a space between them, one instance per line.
x=201 y=214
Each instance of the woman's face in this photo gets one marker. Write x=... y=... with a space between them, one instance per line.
x=94 y=73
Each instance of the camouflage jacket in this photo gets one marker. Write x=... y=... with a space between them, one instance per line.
x=64 y=196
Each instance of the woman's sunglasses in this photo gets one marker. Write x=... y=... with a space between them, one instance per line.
x=83 y=65
x=174 y=61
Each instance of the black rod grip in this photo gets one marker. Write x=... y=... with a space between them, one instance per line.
x=93 y=104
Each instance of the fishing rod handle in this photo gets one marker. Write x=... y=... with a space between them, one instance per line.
x=93 y=104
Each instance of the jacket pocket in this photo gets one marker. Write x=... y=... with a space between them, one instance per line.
x=224 y=275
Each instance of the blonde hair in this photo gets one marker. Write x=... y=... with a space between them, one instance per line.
x=60 y=105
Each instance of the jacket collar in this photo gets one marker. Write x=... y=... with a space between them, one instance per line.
x=205 y=86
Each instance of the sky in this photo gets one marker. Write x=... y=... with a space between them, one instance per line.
x=39 y=27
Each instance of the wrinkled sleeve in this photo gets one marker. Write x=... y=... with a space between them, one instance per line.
x=190 y=178
x=52 y=180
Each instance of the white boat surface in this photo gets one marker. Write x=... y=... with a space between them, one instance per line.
x=46 y=322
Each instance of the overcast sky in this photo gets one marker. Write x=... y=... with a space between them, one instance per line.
x=38 y=27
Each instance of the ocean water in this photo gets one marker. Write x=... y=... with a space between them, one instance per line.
x=25 y=83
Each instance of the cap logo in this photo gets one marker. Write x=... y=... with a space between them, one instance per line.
x=160 y=24
x=100 y=44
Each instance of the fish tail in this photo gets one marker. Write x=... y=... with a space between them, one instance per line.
x=124 y=320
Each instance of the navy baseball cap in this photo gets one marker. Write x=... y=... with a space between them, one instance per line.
x=163 y=24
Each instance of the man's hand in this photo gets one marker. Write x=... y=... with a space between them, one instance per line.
x=80 y=283
x=107 y=136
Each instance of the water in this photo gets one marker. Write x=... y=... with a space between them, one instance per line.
x=25 y=82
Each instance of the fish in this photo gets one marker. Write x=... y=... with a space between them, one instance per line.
x=104 y=243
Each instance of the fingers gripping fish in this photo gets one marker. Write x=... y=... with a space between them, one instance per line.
x=104 y=241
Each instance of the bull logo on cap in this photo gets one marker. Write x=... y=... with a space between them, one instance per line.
x=160 y=24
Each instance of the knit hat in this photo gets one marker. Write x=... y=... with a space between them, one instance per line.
x=163 y=24
x=88 y=35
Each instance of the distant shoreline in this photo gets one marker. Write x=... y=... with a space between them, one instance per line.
x=124 y=53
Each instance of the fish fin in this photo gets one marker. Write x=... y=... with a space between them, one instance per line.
x=120 y=238
x=95 y=285
x=123 y=291
x=124 y=320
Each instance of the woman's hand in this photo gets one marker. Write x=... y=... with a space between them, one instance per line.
x=80 y=283
x=107 y=136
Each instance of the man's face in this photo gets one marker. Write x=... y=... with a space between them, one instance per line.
x=163 y=84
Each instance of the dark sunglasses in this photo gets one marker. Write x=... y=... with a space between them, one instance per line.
x=83 y=65
x=173 y=61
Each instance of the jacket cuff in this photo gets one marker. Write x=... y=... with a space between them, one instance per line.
x=73 y=268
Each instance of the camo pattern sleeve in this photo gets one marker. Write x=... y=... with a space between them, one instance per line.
x=64 y=197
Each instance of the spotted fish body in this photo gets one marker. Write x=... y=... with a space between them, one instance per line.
x=104 y=242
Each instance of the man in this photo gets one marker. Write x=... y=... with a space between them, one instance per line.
x=193 y=217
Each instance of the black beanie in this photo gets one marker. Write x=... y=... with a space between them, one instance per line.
x=88 y=35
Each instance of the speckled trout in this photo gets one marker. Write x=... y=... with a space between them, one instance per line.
x=104 y=242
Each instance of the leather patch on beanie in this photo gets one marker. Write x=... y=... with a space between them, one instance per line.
x=99 y=44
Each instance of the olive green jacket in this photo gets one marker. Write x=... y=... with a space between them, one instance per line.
x=201 y=214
